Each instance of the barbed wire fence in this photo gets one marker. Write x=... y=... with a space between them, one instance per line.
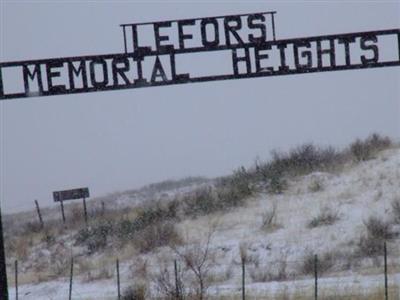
x=246 y=279
x=265 y=276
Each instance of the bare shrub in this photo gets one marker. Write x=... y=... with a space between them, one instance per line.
x=325 y=263
x=152 y=227
x=157 y=235
x=136 y=292
x=316 y=185
x=198 y=259
x=379 y=142
x=273 y=175
x=95 y=237
x=200 y=202
x=308 y=265
x=306 y=159
x=30 y=228
x=299 y=161
x=227 y=192
x=326 y=217
x=377 y=231
x=277 y=183
x=364 y=150
x=360 y=150
x=164 y=282
x=242 y=181
x=269 y=219
x=369 y=246
x=396 y=210
x=167 y=285
x=233 y=190
x=243 y=252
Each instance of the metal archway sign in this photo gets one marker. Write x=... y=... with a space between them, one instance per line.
x=246 y=42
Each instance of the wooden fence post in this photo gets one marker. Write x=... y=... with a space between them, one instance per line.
x=16 y=279
x=243 y=279
x=70 y=277
x=386 y=277
x=177 y=294
x=3 y=267
x=316 y=276
x=39 y=214
x=118 y=281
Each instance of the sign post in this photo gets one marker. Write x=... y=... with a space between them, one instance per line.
x=80 y=193
x=62 y=210
x=84 y=209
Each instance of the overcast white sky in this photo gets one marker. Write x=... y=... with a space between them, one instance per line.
x=118 y=140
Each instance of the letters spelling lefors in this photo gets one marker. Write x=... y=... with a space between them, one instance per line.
x=247 y=41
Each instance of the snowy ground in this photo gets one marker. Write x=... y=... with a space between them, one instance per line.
x=107 y=289
x=355 y=194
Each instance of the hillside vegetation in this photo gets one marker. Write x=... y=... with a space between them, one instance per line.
x=273 y=217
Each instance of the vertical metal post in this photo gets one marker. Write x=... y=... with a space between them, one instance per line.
x=124 y=31
x=386 y=277
x=177 y=296
x=243 y=280
x=84 y=209
x=3 y=269
x=62 y=211
x=118 y=281
x=70 y=278
x=316 y=276
x=16 y=279
x=273 y=25
x=1 y=84
x=39 y=214
x=135 y=43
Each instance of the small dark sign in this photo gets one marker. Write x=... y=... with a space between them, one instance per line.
x=71 y=194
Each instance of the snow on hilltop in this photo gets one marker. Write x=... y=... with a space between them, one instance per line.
x=324 y=213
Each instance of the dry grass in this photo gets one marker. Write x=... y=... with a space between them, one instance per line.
x=396 y=210
x=327 y=216
x=316 y=185
x=324 y=294
x=270 y=219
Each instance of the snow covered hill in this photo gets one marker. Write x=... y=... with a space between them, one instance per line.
x=343 y=216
